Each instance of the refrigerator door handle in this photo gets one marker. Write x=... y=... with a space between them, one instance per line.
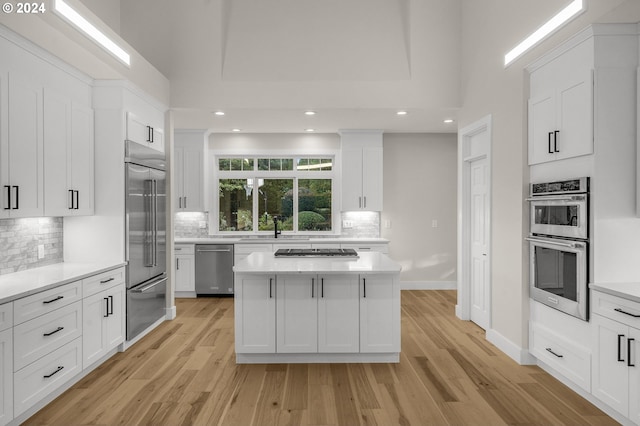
x=148 y=234
x=154 y=209
x=148 y=287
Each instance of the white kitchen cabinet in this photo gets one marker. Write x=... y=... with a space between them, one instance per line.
x=146 y=127
x=189 y=161
x=364 y=247
x=338 y=314
x=255 y=313
x=185 y=277
x=68 y=148
x=362 y=165
x=104 y=323
x=561 y=115
x=379 y=313
x=6 y=376
x=297 y=314
x=21 y=147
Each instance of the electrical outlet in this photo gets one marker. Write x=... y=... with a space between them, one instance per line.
x=387 y=224
x=203 y=224
x=434 y=223
x=347 y=224
x=41 y=251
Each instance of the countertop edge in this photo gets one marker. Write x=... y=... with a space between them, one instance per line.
x=312 y=240
x=619 y=290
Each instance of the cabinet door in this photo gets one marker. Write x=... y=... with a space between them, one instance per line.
x=94 y=310
x=351 y=179
x=634 y=375
x=372 y=164
x=338 y=314
x=610 y=374
x=542 y=122
x=23 y=194
x=193 y=180
x=58 y=200
x=575 y=118
x=297 y=314
x=113 y=323
x=157 y=138
x=137 y=129
x=255 y=313
x=185 y=273
x=379 y=314
x=81 y=160
x=178 y=161
x=6 y=376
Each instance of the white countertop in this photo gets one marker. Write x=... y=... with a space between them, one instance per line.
x=266 y=262
x=280 y=240
x=626 y=290
x=20 y=284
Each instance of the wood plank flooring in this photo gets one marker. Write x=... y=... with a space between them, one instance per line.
x=184 y=373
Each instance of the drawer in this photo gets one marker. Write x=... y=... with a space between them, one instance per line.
x=616 y=308
x=250 y=248
x=103 y=281
x=570 y=359
x=381 y=248
x=35 y=338
x=44 y=302
x=6 y=316
x=184 y=249
x=44 y=376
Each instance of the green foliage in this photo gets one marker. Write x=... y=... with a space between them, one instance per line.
x=311 y=221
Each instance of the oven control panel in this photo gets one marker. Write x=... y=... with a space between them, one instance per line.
x=571 y=186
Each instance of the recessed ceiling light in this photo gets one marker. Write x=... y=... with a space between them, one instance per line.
x=219 y=113
x=401 y=113
x=70 y=14
x=236 y=130
x=309 y=113
x=309 y=130
x=448 y=120
x=572 y=10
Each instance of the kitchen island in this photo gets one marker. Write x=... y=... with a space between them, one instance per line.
x=317 y=309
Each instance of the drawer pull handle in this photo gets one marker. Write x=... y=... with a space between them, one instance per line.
x=106 y=281
x=54 y=373
x=553 y=353
x=627 y=313
x=46 y=302
x=53 y=332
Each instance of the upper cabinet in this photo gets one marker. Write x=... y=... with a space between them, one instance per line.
x=362 y=165
x=146 y=128
x=189 y=170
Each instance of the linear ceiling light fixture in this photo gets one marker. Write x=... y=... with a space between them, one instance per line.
x=565 y=15
x=66 y=11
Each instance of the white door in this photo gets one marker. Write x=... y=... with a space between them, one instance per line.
x=296 y=314
x=379 y=315
x=338 y=313
x=114 y=327
x=255 y=313
x=479 y=267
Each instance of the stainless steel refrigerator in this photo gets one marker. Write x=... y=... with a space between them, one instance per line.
x=146 y=237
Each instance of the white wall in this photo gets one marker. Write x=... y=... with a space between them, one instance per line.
x=420 y=186
x=490 y=29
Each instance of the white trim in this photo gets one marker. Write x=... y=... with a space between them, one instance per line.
x=170 y=313
x=428 y=285
x=317 y=358
x=515 y=352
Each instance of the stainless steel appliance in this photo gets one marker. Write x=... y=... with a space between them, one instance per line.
x=145 y=237
x=214 y=269
x=317 y=252
x=558 y=245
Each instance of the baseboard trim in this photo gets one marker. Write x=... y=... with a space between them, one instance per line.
x=170 y=313
x=428 y=285
x=513 y=351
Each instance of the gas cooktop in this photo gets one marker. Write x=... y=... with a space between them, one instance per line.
x=316 y=252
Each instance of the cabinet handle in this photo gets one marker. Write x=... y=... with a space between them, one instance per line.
x=270 y=283
x=53 y=332
x=54 y=373
x=106 y=312
x=626 y=313
x=111 y=301
x=364 y=204
x=359 y=202
x=620 y=348
x=70 y=204
x=77 y=199
x=8 y=188
x=555 y=141
x=148 y=133
x=185 y=202
x=46 y=302
x=17 y=197
x=549 y=143
x=106 y=281
x=629 y=344
x=322 y=287
x=364 y=288
x=312 y=282
x=552 y=352
x=177 y=264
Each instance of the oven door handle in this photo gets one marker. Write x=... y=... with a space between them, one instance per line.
x=578 y=197
x=570 y=244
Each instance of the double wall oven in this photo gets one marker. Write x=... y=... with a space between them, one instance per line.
x=559 y=245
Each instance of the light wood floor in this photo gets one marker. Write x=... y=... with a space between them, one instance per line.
x=184 y=373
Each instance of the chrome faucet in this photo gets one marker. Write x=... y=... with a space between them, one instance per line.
x=275 y=227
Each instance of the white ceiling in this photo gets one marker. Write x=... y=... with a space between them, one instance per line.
x=264 y=62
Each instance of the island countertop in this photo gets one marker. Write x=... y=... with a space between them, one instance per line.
x=366 y=262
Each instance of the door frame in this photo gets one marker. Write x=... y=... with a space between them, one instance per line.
x=467 y=153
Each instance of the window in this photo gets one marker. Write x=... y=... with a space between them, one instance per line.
x=295 y=191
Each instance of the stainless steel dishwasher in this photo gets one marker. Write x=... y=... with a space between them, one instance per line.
x=214 y=269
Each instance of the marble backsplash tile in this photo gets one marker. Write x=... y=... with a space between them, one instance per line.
x=187 y=225
x=20 y=238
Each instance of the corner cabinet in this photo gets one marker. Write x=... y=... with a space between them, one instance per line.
x=362 y=165
x=189 y=161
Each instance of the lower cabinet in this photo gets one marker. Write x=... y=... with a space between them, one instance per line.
x=185 y=271
x=104 y=326
x=255 y=313
x=6 y=372
x=379 y=314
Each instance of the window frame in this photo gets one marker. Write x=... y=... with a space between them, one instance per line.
x=296 y=175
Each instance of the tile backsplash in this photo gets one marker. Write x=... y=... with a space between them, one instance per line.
x=188 y=225
x=20 y=238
